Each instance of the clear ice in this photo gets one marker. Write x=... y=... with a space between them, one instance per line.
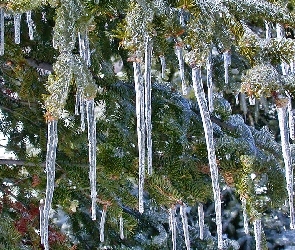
x=1 y=31
x=245 y=216
x=291 y=118
x=207 y=125
x=84 y=47
x=50 y=171
x=140 y=116
x=281 y=35
x=148 y=102
x=17 y=19
x=226 y=64
x=284 y=131
x=163 y=65
x=210 y=83
x=121 y=228
x=172 y=226
x=267 y=30
x=179 y=54
x=185 y=225
x=92 y=153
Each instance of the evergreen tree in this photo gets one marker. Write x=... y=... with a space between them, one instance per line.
x=144 y=115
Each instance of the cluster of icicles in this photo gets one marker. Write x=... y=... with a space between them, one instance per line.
x=144 y=130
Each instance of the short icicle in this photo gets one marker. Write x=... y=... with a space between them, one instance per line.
x=200 y=95
x=281 y=35
x=185 y=225
x=210 y=83
x=30 y=25
x=84 y=48
x=1 y=31
x=148 y=102
x=92 y=153
x=226 y=64
x=172 y=226
x=140 y=116
x=163 y=65
x=102 y=223
x=257 y=233
x=121 y=227
x=243 y=104
x=267 y=30
x=50 y=171
x=284 y=131
x=82 y=111
x=201 y=220
x=245 y=216
x=41 y=220
x=17 y=19
x=179 y=54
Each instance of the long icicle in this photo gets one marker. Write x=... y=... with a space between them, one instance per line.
x=201 y=220
x=291 y=117
x=257 y=233
x=185 y=225
x=210 y=83
x=41 y=220
x=50 y=171
x=179 y=54
x=17 y=19
x=245 y=216
x=163 y=65
x=92 y=153
x=283 y=125
x=121 y=226
x=148 y=102
x=102 y=223
x=226 y=64
x=172 y=226
x=139 y=90
x=1 y=31
x=82 y=110
x=30 y=25
x=200 y=95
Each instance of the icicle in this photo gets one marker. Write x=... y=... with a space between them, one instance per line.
x=84 y=48
x=267 y=30
x=1 y=31
x=82 y=111
x=30 y=25
x=243 y=104
x=139 y=90
x=291 y=118
x=87 y=50
x=252 y=100
x=237 y=98
x=226 y=63
x=181 y=17
x=50 y=171
x=17 y=19
x=148 y=103
x=200 y=95
x=210 y=83
x=264 y=103
x=201 y=220
x=121 y=228
x=101 y=224
x=172 y=226
x=185 y=225
x=77 y=103
x=281 y=35
x=41 y=208
x=181 y=68
x=245 y=216
x=92 y=153
x=163 y=65
x=282 y=117
x=257 y=233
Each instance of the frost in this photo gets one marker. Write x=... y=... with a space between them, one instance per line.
x=185 y=225
x=17 y=19
x=101 y=224
x=179 y=54
x=92 y=153
x=201 y=220
x=140 y=116
x=148 y=102
x=207 y=125
x=50 y=171
x=1 y=31
x=172 y=226
x=30 y=25
x=282 y=117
